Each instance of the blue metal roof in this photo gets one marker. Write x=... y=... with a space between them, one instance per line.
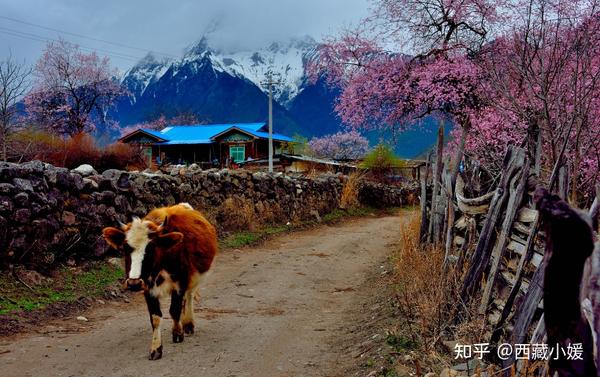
x=200 y=134
x=153 y=133
x=205 y=133
x=265 y=135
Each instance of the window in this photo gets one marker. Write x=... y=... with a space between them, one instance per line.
x=237 y=153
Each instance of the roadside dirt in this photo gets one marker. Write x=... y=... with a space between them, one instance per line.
x=290 y=307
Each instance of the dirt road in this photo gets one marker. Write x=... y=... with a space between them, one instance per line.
x=281 y=309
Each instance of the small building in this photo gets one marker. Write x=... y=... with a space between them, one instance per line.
x=208 y=144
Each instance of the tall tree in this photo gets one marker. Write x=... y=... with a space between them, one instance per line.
x=72 y=91
x=13 y=85
x=391 y=89
x=505 y=72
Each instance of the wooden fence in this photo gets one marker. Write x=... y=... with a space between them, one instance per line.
x=527 y=256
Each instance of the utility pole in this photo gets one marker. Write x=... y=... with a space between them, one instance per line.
x=270 y=80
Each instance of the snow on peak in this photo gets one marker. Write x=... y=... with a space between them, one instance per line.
x=145 y=72
x=285 y=59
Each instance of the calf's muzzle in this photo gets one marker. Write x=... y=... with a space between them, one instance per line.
x=135 y=284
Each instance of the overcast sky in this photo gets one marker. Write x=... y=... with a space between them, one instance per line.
x=166 y=26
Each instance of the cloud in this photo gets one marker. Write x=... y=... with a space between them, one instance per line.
x=169 y=26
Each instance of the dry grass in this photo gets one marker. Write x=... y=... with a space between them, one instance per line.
x=427 y=299
x=79 y=149
x=349 y=198
x=236 y=214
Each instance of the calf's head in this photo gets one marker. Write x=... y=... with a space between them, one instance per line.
x=141 y=242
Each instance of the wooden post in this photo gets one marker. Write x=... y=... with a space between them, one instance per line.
x=424 y=206
x=435 y=225
x=450 y=217
x=595 y=210
x=563 y=182
x=455 y=166
x=569 y=243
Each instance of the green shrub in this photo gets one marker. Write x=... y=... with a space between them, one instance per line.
x=381 y=160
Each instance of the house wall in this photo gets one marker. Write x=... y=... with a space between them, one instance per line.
x=185 y=154
x=257 y=149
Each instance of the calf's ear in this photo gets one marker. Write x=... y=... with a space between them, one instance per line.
x=114 y=237
x=166 y=241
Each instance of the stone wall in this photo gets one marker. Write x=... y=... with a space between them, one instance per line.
x=50 y=214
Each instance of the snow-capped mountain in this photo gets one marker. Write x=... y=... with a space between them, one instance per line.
x=218 y=85
x=286 y=60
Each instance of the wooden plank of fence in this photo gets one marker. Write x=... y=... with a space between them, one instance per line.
x=471 y=206
x=424 y=222
x=513 y=162
x=517 y=190
x=525 y=258
x=526 y=310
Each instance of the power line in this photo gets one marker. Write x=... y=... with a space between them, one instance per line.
x=86 y=37
x=46 y=40
x=38 y=38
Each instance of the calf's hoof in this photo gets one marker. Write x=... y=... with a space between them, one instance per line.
x=177 y=338
x=155 y=354
x=188 y=328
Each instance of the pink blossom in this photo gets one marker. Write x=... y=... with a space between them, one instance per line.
x=340 y=146
x=72 y=91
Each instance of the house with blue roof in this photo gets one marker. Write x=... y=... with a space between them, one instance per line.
x=217 y=144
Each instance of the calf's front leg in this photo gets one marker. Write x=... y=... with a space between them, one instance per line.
x=175 y=311
x=155 y=318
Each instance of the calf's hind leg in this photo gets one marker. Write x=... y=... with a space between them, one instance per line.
x=155 y=318
x=175 y=311
x=188 y=311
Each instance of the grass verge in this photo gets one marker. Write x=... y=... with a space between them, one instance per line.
x=68 y=285
x=423 y=307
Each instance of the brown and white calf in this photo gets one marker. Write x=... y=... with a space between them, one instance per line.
x=166 y=253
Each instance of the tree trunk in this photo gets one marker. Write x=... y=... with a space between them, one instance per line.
x=534 y=145
x=4 y=134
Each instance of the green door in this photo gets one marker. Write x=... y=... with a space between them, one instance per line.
x=147 y=153
x=237 y=153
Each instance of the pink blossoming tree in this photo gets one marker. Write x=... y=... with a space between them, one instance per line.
x=349 y=145
x=524 y=73
x=72 y=90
